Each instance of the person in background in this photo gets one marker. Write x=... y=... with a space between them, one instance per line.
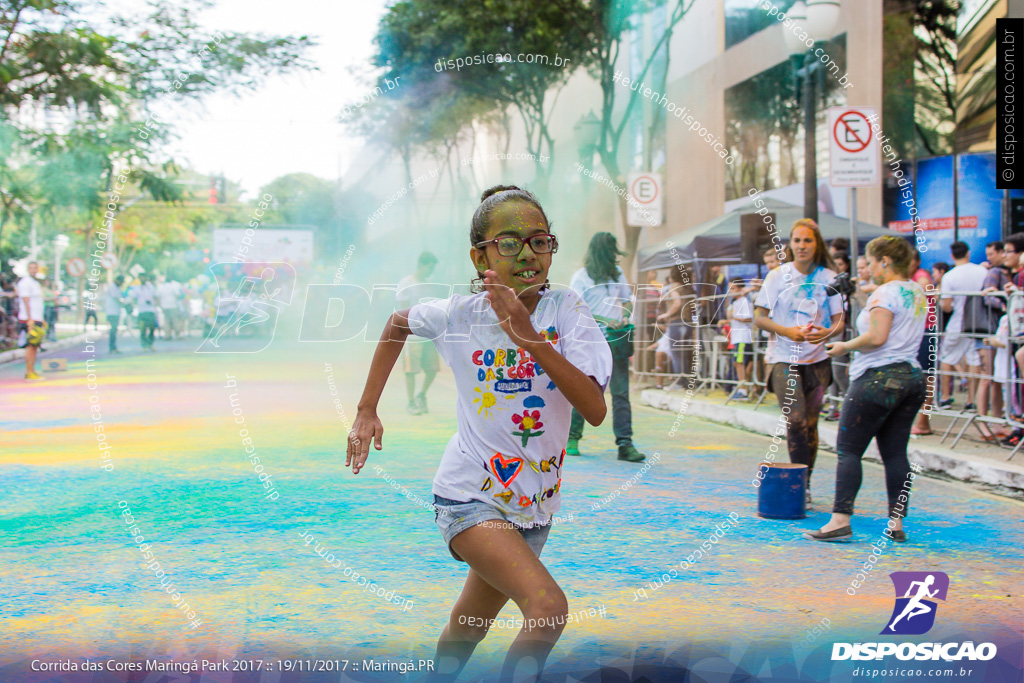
x=603 y=286
x=929 y=343
x=8 y=312
x=740 y=316
x=649 y=295
x=90 y=312
x=30 y=318
x=993 y=255
x=1002 y=373
x=842 y=260
x=678 y=286
x=418 y=356
x=794 y=305
x=169 y=294
x=864 y=284
x=145 y=306
x=994 y=285
x=840 y=364
x=716 y=307
x=840 y=245
x=662 y=354
x=50 y=313
x=964 y=277
x=938 y=270
x=113 y=303
x=764 y=339
x=1013 y=248
x=887 y=388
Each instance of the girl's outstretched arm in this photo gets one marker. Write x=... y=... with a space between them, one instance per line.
x=367 y=427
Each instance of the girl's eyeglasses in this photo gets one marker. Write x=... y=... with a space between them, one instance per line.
x=512 y=245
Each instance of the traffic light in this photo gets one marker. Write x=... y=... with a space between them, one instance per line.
x=218 y=189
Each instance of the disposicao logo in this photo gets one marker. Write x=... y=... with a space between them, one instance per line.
x=914 y=614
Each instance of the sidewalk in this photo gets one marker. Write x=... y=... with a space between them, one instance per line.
x=973 y=461
x=14 y=355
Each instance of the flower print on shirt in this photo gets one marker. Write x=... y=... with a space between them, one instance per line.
x=529 y=422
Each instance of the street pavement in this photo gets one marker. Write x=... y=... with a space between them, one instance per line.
x=76 y=583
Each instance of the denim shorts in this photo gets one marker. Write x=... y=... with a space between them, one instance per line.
x=455 y=516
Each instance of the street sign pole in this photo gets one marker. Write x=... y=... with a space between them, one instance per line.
x=854 y=243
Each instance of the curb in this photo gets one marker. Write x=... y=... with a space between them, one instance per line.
x=965 y=468
x=66 y=343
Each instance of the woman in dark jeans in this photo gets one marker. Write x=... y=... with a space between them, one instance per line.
x=887 y=387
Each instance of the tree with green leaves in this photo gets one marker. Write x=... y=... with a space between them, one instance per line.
x=935 y=94
x=90 y=81
x=608 y=25
x=429 y=42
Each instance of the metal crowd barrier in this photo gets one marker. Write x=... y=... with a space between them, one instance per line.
x=712 y=368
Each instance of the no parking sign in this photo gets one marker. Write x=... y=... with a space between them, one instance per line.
x=853 y=147
x=76 y=267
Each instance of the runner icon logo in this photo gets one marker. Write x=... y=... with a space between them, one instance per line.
x=247 y=303
x=916 y=592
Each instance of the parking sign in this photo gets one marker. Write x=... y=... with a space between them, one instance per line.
x=645 y=205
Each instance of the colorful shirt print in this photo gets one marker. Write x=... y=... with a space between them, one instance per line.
x=909 y=306
x=793 y=300
x=513 y=422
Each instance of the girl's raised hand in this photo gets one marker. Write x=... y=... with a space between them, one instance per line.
x=513 y=317
x=365 y=428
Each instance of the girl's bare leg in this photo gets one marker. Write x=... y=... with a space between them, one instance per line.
x=501 y=560
x=476 y=608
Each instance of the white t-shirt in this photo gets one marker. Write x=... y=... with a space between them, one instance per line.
x=145 y=295
x=169 y=295
x=112 y=303
x=909 y=307
x=411 y=292
x=513 y=422
x=28 y=287
x=739 y=332
x=970 y=277
x=664 y=345
x=606 y=299
x=1001 y=366
x=794 y=299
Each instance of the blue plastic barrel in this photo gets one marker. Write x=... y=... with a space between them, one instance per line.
x=781 y=494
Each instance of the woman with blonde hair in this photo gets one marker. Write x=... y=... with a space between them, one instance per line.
x=887 y=387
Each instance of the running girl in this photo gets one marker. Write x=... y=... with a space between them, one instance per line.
x=523 y=357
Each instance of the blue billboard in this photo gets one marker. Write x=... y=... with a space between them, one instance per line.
x=979 y=201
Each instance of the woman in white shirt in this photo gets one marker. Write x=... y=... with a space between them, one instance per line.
x=797 y=307
x=887 y=387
